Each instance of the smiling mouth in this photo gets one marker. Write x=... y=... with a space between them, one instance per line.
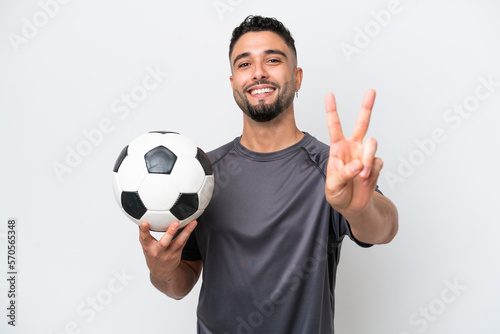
x=261 y=92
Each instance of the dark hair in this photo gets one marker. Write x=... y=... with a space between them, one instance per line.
x=255 y=23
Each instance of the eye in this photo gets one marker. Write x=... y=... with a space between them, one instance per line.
x=242 y=65
x=274 y=60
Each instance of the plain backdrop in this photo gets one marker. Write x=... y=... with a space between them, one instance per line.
x=80 y=79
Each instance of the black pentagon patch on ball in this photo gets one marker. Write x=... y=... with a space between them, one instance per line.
x=160 y=160
x=204 y=161
x=163 y=132
x=132 y=204
x=185 y=206
x=120 y=159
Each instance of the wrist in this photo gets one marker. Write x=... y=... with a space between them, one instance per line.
x=357 y=214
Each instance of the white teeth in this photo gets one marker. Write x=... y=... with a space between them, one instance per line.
x=261 y=91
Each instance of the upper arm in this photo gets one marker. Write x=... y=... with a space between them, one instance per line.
x=196 y=266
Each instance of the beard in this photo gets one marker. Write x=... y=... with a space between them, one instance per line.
x=263 y=112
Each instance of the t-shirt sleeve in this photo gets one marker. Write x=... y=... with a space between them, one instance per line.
x=191 y=251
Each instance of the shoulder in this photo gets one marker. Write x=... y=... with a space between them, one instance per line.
x=215 y=155
x=316 y=151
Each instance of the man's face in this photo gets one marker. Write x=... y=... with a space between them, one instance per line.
x=264 y=75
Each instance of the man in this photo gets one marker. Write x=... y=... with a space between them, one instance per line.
x=269 y=242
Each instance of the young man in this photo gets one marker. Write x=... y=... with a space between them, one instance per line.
x=269 y=242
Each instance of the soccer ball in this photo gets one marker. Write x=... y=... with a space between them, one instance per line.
x=162 y=177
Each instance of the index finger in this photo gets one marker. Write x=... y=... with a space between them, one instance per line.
x=363 y=119
x=181 y=238
x=332 y=119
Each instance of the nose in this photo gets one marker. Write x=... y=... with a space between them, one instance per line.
x=259 y=72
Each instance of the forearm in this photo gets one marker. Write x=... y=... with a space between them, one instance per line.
x=181 y=282
x=377 y=224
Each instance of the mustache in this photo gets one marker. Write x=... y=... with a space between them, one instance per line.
x=261 y=82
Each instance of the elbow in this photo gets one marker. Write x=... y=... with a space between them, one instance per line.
x=393 y=227
x=389 y=214
x=391 y=234
x=383 y=226
x=178 y=294
x=177 y=297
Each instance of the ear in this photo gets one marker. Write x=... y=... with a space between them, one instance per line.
x=298 y=78
x=231 y=79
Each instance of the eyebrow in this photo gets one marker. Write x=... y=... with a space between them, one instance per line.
x=267 y=52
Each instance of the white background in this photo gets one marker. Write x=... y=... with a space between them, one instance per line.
x=66 y=77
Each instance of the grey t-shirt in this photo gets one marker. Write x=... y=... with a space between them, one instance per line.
x=269 y=242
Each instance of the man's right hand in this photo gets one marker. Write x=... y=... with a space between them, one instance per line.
x=163 y=258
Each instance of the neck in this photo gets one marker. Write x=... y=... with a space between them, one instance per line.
x=272 y=136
